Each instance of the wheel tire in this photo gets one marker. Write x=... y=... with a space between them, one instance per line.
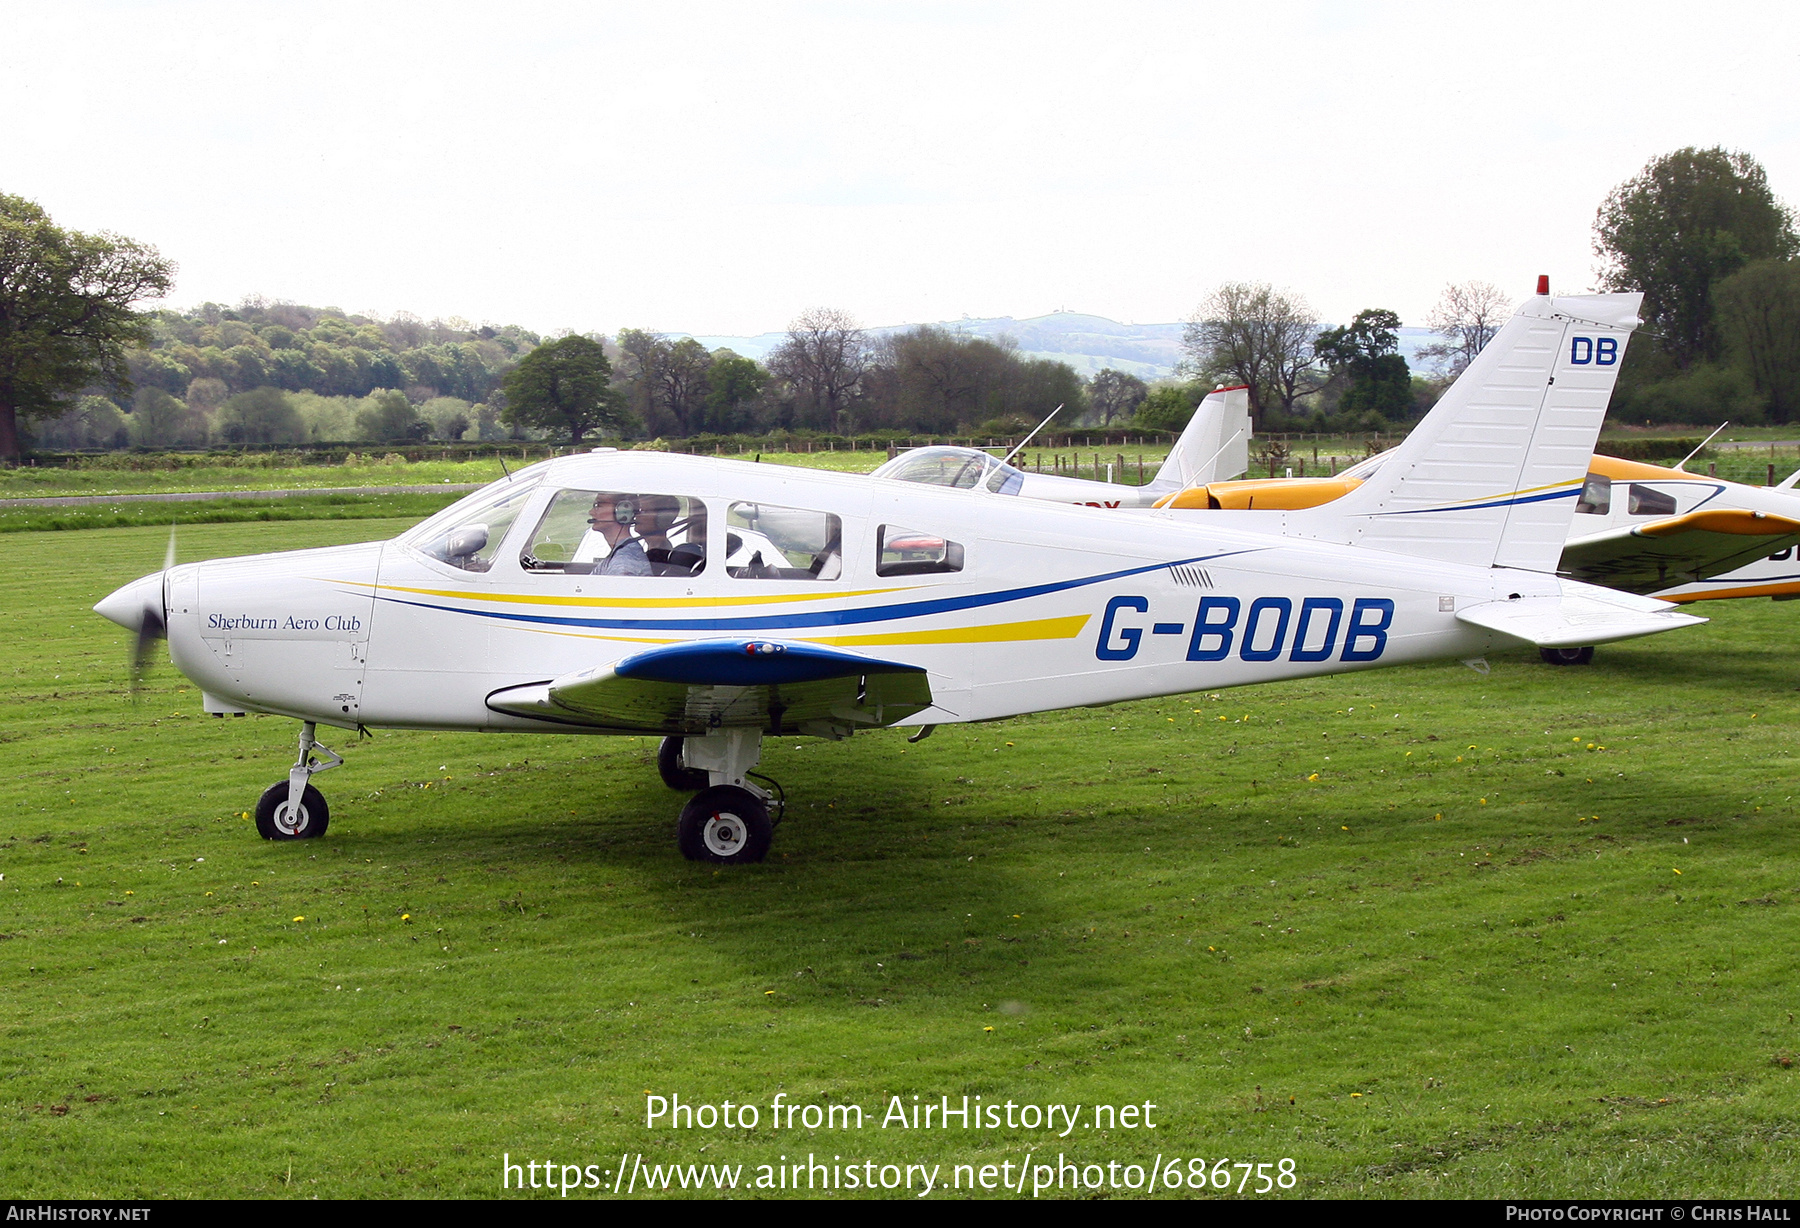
x=725 y=824
x=1566 y=656
x=668 y=766
x=273 y=823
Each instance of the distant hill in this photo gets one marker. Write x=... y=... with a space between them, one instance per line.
x=1087 y=343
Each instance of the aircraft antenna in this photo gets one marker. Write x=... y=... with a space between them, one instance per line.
x=503 y=468
x=1034 y=430
x=1691 y=455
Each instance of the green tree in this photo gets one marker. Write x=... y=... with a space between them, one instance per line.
x=1168 y=407
x=262 y=415
x=564 y=385
x=388 y=416
x=158 y=420
x=1686 y=221
x=1759 y=322
x=1252 y=334
x=733 y=384
x=66 y=313
x=1114 y=394
x=1366 y=354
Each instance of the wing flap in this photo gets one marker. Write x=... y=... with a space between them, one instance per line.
x=698 y=687
x=1648 y=557
x=1582 y=616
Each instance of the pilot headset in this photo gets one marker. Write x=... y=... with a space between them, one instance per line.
x=625 y=510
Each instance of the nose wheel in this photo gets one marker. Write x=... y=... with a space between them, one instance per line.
x=292 y=809
x=276 y=819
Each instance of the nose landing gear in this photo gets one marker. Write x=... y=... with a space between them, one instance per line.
x=292 y=809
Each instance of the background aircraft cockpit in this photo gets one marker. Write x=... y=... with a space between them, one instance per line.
x=962 y=468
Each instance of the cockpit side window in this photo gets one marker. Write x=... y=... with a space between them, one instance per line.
x=618 y=533
x=763 y=542
x=1649 y=501
x=470 y=538
x=1005 y=480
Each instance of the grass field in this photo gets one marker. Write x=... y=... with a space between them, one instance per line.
x=1424 y=932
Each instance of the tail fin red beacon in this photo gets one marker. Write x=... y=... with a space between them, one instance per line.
x=1492 y=473
x=1214 y=447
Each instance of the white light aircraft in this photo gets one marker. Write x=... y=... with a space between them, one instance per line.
x=715 y=602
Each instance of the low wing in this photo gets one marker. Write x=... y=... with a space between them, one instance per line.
x=1582 y=616
x=695 y=688
x=1646 y=558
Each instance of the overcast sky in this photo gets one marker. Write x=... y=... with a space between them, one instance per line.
x=717 y=168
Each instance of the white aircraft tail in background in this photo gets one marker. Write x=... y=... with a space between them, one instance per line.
x=1214 y=447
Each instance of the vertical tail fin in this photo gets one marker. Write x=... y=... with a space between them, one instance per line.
x=1491 y=474
x=1215 y=445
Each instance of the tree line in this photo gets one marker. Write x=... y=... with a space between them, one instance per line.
x=1698 y=231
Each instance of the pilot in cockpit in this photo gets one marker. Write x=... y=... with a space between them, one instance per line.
x=613 y=517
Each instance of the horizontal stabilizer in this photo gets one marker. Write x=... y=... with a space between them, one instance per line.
x=1646 y=558
x=1582 y=616
x=695 y=688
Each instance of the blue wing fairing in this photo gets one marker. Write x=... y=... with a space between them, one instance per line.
x=696 y=688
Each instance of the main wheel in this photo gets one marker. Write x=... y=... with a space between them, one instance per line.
x=668 y=766
x=1566 y=656
x=725 y=824
x=274 y=821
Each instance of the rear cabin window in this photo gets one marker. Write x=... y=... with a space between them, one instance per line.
x=764 y=542
x=1648 y=501
x=912 y=552
x=618 y=533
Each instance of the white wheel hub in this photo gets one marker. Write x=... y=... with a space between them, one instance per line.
x=724 y=834
x=290 y=820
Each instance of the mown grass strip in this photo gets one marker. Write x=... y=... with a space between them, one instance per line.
x=224 y=511
x=1419 y=929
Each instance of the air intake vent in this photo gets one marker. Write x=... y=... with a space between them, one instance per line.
x=1192 y=577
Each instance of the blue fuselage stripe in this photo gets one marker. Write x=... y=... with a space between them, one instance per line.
x=1508 y=502
x=817 y=618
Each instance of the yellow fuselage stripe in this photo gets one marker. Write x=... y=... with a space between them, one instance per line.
x=994 y=633
x=642 y=603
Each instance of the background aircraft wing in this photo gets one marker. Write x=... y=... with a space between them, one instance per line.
x=1646 y=558
x=706 y=685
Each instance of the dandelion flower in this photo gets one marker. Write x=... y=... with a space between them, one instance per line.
x=987 y=1029
x=299 y=919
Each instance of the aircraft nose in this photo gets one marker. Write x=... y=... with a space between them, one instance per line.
x=129 y=605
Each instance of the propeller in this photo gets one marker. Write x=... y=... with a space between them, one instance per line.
x=151 y=626
x=149 y=632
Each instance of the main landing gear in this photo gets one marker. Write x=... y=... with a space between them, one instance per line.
x=728 y=820
x=1566 y=656
x=292 y=809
